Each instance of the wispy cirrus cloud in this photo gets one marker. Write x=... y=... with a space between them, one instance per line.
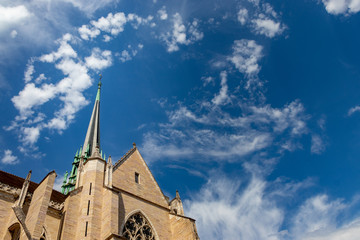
x=353 y=110
x=251 y=207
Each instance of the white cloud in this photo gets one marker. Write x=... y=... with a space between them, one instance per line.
x=9 y=158
x=252 y=208
x=90 y=6
x=30 y=135
x=262 y=19
x=40 y=78
x=353 y=110
x=180 y=34
x=12 y=15
x=207 y=80
x=107 y=38
x=99 y=59
x=125 y=56
x=342 y=6
x=191 y=134
x=162 y=13
x=112 y=24
x=29 y=72
x=245 y=56
x=58 y=182
x=317 y=144
x=316 y=215
x=65 y=51
x=350 y=231
x=69 y=90
x=32 y=96
x=222 y=97
x=224 y=209
x=242 y=16
x=86 y=33
x=13 y=34
x=267 y=27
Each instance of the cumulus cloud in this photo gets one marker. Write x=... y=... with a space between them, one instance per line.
x=30 y=135
x=245 y=56
x=262 y=19
x=162 y=13
x=112 y=24
x=9 y=158
x=10 y=16
x=69 y=90
x=99 y=59
x=267 y=27
x=127 y=55
x=181 y=34
x=342 y=6
x=242 y=16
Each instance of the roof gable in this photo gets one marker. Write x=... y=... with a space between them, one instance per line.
x=124 y=178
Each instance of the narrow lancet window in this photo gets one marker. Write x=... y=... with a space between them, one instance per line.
x=88 y=207
x=86 y=226
x=137 y=177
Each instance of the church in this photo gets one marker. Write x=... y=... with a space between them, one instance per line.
x=99 y=199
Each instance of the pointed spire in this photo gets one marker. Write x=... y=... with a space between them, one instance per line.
x=177 y=194
x=92 y=138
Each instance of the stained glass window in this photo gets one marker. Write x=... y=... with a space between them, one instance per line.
x=138 y=228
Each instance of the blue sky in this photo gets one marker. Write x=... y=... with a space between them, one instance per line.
x=249 y=108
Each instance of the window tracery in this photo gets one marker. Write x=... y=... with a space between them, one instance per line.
x=138 y=228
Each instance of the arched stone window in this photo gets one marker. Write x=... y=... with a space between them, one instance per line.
x=138 y=228
x=15 y=231
x=43 y=235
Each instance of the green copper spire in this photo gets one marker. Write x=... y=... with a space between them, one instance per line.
x=99 y=88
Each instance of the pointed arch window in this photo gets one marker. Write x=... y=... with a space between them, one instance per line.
x=43 y=235
x=15 y=231
x=138 y=228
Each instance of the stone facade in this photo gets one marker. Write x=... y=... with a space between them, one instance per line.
x=94 y=210
x=102 y=200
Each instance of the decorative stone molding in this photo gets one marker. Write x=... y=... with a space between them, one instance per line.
x=9 y=189
x=15 y=192
x=56 y=205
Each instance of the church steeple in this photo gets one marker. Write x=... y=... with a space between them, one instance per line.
x=92 y=138
x=92 y=141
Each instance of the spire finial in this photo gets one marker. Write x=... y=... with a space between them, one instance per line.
x=100 y=77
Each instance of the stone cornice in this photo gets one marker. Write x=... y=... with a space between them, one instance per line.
x=16 y=192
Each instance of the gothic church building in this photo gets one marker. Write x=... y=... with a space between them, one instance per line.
x=99 y=200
